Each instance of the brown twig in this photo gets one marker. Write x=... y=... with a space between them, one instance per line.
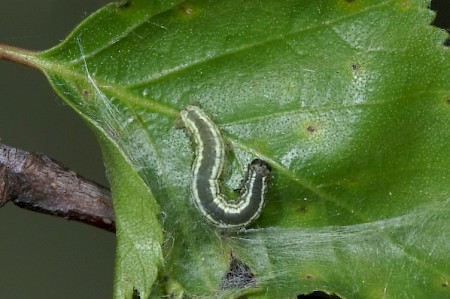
x=37 y=182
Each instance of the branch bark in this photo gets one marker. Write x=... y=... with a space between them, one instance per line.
x=37 y=182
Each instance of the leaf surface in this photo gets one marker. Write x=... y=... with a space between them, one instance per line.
x=138 y=254
x=347 y=100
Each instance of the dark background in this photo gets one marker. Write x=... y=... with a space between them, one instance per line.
x=43 y=256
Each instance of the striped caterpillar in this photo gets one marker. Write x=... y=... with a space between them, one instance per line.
x=207 y=169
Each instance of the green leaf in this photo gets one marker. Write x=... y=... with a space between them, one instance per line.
x=139 y=253
x=347 y=100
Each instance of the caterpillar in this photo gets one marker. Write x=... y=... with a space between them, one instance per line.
x=206 y=172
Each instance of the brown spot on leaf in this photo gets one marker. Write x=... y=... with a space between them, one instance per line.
x=311 y=129
x=86 y=93
x=187 y=10
x=309 y=276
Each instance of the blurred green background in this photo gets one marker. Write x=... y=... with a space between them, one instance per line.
x=43 y=256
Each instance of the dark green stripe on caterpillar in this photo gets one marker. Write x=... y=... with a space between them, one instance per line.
x=207 y=169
